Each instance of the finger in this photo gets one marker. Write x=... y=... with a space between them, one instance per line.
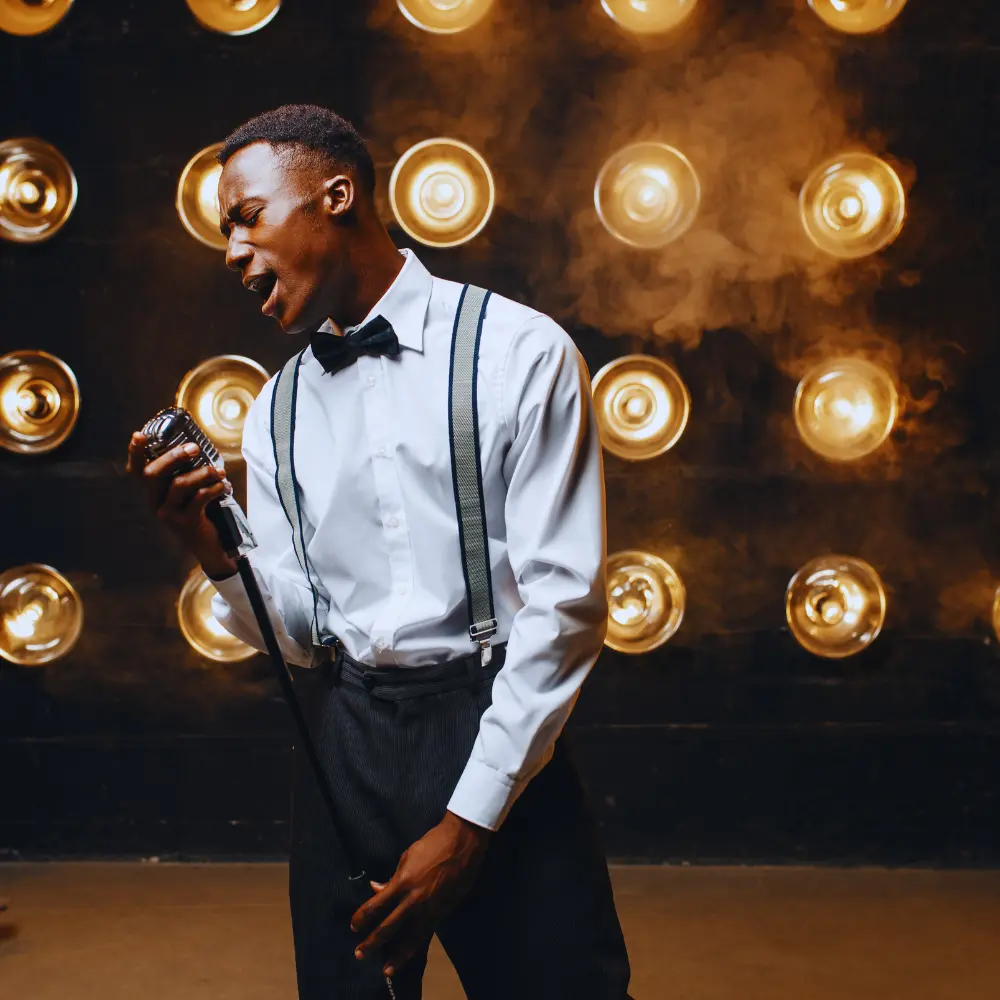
x=387 y=930
x=166 y=464
x=372 y=910
x=414 y=941
x=205 y=496
x=136 y=461
x=172 y=497
x=377 y=886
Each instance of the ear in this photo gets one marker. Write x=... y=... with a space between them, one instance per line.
x=338 y=195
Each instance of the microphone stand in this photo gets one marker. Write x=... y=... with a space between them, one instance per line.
x=231 y=539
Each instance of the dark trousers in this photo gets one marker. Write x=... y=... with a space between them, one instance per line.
x=540 y=920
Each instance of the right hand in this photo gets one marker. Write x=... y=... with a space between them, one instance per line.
x=179 y=501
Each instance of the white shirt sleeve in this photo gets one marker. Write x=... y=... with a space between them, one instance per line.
x=555 y=514
x=282 y=583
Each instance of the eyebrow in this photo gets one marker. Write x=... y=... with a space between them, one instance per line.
x=234 y=213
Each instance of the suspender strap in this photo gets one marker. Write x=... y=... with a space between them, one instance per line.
x=466 y=465
x=466 y=468
x=283 y=401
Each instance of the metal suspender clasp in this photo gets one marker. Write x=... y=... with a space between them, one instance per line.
x=481 y=633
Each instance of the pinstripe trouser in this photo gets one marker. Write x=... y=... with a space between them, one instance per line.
x=540 y=920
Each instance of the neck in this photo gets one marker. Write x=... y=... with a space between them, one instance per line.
x=374 y=268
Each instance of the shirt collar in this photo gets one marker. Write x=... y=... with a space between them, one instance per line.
x=404 y=303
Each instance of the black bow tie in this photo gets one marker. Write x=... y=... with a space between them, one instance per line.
x=334 y=353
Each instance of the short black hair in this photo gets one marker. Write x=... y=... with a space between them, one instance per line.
x=310 y=127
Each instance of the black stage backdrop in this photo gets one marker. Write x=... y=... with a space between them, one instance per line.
x=730 y=742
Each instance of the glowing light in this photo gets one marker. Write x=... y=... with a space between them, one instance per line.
x=852 y=205
x=996 y=615
x=219 y=393
x=31 y=17
x=444 y=17
x=442 y=192
x=38 y=190
x=199 y=625
x=647 y=195
x=649 y=17
x=234 y=17
x=40 y=613
x=197 y=198
x=845 y=408
x=645 y=602
x=39 y=402
x=858 y=17
x=835 y=606
x=642 y=406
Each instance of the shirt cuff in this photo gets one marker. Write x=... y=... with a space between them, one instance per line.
x=483 y=796
x=231 y=590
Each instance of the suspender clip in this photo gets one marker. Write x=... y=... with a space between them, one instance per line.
x=481 y=633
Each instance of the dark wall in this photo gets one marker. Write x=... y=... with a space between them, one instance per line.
x=730 y=742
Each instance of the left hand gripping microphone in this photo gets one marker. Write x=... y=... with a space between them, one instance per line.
x=173 y=427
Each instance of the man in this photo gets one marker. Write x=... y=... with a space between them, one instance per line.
x=444 y=756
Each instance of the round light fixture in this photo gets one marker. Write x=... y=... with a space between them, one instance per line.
x=642 y=406
x=858 y=17
x=649 y=17
x=845 y=408
x=38 y=190
x=200 y=626
x=39 y=402
x=198 y=197
x=835 y=606
x=31 y=17
x=444 y=17
x=218 y=394
x=41 y=615
x=234 y=17
x=645 y=602
x=853 y=205
x=442 y=192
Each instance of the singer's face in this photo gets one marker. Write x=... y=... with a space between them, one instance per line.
x=285 y=241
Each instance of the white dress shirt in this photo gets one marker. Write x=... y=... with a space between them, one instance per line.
x=373 y=463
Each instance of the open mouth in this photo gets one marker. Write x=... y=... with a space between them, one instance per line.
x=264 y=285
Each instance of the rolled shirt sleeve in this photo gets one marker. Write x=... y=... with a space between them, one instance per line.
x=555 y=518
x=283 y=585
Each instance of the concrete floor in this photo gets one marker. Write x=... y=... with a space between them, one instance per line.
x=221 y=932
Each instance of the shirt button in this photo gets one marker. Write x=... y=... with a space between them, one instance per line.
x=393 y=522
x=382 y=452
x=371 y=379
x=379 y=645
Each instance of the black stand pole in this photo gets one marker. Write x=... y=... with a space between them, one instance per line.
x=229 y=535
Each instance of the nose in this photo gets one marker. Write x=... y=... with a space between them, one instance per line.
x=238 y=253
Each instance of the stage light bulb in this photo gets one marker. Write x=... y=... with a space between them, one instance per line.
x=31 y=17
x=41 y=615
x=647 y=194
x=201 y=628
x=197 y=197
x=858 y=17
x=38 y=190
x=234 y=17
x=645 y=601
x=642 y=406
x=442 y=192
x=39 y=402
x=649 y=17
x=835 y=606
x=852 y=205
x=219 y=393
x=444 y=17
x=996 y=615
x=845 y=408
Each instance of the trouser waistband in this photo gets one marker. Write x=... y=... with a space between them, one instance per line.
x=399 y=683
